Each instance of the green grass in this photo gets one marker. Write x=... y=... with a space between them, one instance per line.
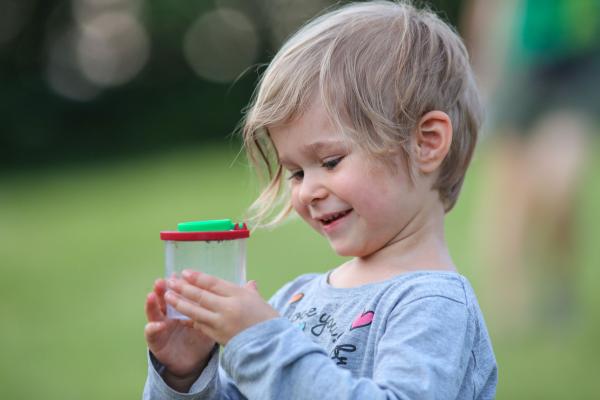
x=80 y=250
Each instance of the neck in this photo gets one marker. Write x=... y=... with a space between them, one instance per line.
x=420 y=246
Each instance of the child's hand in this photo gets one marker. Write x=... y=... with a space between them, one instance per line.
x=183 y=350
x=218 y=308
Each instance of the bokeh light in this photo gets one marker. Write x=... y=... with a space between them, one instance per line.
x=105 y=45
x=285 y=16
x=112 y=48
x=85 y=10
x=221 y=44
x=14 y=15
x=62 y=71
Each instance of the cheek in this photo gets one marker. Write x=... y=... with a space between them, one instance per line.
x=365 y=192
x=378 y=199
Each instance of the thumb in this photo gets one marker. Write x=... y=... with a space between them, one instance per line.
x=252 y=285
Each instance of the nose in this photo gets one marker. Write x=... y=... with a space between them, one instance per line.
x=311 y=189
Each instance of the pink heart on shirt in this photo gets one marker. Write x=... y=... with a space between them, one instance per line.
x=363 y=319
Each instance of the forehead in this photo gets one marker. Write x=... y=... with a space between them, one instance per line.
x=311 y=132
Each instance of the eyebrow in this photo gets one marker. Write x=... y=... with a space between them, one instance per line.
x=323 y=145
x=318 y=147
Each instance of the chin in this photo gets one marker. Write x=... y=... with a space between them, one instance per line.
x=348 y=250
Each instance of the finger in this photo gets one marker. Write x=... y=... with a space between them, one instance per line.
x=252 y=285
x=192 y=310
x=206 y=330
x=208 y=282
x=152 y=330
x=204 y=298
x=186 y=322
x=160 y=288
x=152 y=307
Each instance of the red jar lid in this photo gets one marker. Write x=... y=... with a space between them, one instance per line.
x=190 y=236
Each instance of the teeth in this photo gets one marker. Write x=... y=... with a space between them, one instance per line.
x=334 y=216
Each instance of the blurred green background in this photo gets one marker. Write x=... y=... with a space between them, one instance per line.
x=116 y=122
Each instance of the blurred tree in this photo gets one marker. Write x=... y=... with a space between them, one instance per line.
x=85 y=79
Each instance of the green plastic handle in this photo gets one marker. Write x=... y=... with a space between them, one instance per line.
x=214 y=225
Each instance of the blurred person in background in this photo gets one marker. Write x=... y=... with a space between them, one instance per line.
x=539 y=65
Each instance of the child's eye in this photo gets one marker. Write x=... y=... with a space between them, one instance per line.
x=331 y=164
x=296 y=175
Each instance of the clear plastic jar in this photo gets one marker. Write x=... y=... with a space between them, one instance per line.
x=215 y=247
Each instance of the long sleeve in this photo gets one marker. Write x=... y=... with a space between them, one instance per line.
x=416 y=336
x=422 y=352
x=212 y=384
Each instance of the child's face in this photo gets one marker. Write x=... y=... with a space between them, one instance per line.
x=360 y=206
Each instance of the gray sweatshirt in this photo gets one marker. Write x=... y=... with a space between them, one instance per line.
x=419 y=336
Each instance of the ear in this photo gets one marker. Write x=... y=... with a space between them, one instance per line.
x=432 y=141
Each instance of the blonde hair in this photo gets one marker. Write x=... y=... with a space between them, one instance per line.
x=378 y=68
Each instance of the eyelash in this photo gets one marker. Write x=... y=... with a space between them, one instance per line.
x=296 y=175
x=329 y=165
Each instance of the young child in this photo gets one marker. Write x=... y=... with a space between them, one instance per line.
x=373 y=112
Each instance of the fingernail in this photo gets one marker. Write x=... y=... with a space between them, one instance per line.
x=188 y=273
x=170 y=295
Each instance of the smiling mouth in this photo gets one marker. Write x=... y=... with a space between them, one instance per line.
x=331 y=218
